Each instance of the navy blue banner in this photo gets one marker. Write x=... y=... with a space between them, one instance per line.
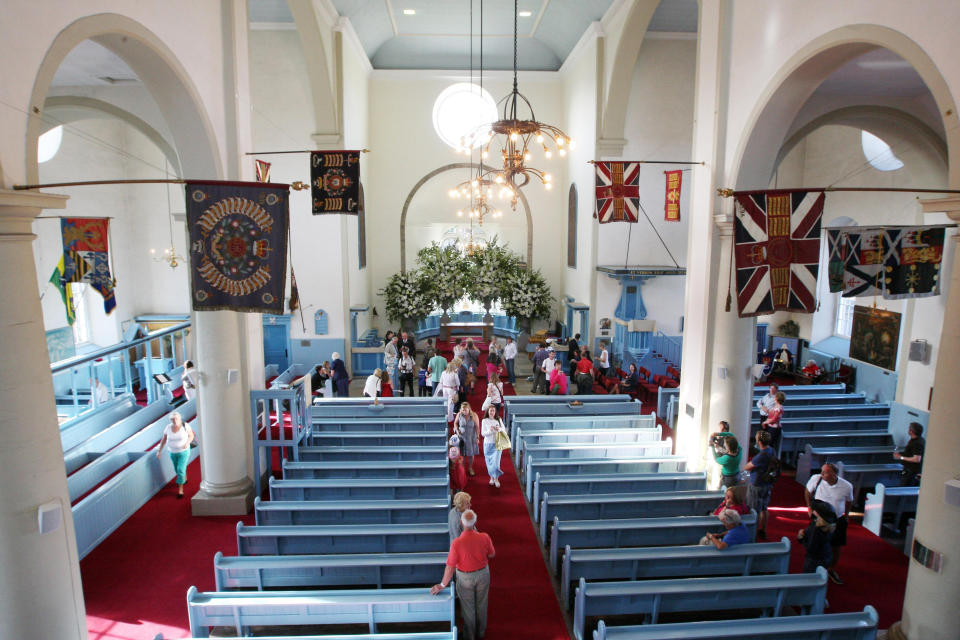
x=238 y=245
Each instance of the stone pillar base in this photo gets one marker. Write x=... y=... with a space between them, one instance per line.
x=237 y=502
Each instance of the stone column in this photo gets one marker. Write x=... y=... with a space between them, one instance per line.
x=39 y=573
x=222 y=399
x=930 y=610
x=729 y=363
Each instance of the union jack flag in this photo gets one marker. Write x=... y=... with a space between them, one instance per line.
x=618 y=191
x=777 y=251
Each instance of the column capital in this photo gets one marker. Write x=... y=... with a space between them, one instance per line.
x=19 y=208
x=610 y=147
x=949 y=205
x=724 y=223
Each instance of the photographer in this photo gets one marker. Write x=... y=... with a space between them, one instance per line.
x=726 y=453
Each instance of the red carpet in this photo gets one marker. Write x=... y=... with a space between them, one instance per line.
x=873 y=571
x=135 y=583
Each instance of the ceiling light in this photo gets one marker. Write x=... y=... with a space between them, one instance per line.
x=526 y=14
x=409 y=12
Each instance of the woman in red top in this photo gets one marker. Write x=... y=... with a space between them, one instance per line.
x=584 y=374
x=772 y=423
x=730 y=501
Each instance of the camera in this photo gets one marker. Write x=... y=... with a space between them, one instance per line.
x=719 y=443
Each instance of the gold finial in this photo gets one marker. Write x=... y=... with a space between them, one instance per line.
x=299 y=186
x=725 y=193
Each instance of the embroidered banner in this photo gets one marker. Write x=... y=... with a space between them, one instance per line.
x=66 y=291
x=912 y=262
x=671 y=205
x=263 y=171
x=86 y=256
x=238 y=245
x=863 y=268
x=837 y=261
x=617 y=191
x=335 y=181
x=777 y=251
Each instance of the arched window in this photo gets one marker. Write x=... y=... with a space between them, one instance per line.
x=572 y=227
x=362 y=232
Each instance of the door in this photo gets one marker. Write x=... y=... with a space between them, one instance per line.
x=276 y=340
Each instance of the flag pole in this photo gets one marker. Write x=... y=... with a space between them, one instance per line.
x=729 y=193
x=279 y=153
x=296 y=186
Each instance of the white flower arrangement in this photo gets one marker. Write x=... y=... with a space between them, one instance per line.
x=406 y=296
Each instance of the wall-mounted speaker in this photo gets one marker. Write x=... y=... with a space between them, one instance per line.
x=49 y=516
x=919 y=351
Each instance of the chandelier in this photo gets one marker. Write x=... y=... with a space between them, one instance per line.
x=169 y=255
x=516 y=137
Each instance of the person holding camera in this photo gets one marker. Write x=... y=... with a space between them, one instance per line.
x=727 y=454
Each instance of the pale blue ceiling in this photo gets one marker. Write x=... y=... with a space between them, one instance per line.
x=436 y=37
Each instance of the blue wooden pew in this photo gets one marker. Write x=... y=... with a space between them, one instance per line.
x=350 y=511
x=616 y=483
x=650 y=598
x=359 y=488
x=811 y=460
x=74 y=432
x=434 y=437
x=619 y=506
x=327 y=539
x=525 y=436
x=888 y=500
x=794 y=442
x=367 y=454
x=831 y=410
x=242 y=610
x=331 y=409
x=858 y=475
x=439 y=468
x=635 y=532
x=575 y=466
x=542 y=452
x=630 y=417
x=415 y=635
x=831 y=626
x=404 y=424
x=288 y=572
x=113 y=434
x=792 y=392
x=638 y=563
x=563 y=406
x=586 y=399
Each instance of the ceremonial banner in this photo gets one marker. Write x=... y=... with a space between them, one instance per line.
x=671 y=205
x=875 y=336
x=837 y=261
x=335 y=181
x=617 y=191
x=238 y=245
x=294 y=303
x=912 y=262
x=863 y=269
x=86 y=256
x=66 y=291
x=263 y=171
x=777 y=251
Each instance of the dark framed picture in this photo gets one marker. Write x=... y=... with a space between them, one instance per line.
x=875 y=336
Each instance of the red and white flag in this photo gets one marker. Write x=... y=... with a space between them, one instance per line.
x=617 y=191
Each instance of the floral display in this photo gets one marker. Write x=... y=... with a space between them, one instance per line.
x=527 y=296
x=407 y=296
x=490 y=269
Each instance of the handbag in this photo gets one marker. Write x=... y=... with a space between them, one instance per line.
x=503 y=441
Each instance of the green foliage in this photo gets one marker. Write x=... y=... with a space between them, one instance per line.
x=446 y=273
x=490 y=269
x=407 y=296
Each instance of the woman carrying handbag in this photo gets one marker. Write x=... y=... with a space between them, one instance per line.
x=491 y=428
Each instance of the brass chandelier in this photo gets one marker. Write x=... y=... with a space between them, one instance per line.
x=516 y=137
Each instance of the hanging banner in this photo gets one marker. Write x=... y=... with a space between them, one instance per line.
x=294 y=303
x=863 y=269
x=86 y=257
x=837 y=261
x=617 y=191
x=777 y=251
x=238 y=245
x=912 y=262
x=335 y=181
x=671 y=204
x=263 y=170
x=58 y=280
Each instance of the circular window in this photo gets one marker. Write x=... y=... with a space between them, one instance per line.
x=49 y=143
x=460 y=109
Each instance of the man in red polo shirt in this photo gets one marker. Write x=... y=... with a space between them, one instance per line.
x=470 y=554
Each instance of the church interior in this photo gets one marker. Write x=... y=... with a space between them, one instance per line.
x=225 y=209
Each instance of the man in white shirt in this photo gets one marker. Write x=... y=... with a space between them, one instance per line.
x=509 y=354
x=99 y=391
x=604 y=361
x=767 y=402
x=548 y=366
x=838 y=493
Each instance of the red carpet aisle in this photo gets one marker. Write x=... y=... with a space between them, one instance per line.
x=873 y=571
x=522 y=600
x=135 y=583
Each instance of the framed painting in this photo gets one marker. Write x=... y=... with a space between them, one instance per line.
x=875 y=337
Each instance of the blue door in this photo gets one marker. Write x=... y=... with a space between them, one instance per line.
x=276 y=342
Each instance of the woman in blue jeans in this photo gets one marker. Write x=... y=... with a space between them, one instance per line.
x=177 y=435
x=489 y=428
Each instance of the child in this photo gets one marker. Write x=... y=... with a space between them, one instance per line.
x=458 y=471
x=424 y=390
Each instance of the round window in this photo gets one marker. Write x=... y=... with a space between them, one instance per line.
x=461 y=109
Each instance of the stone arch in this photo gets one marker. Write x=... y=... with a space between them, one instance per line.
x=161 y=73
x=433 y=174
x=880 y=121
x=622 y=63
x=68 y=109
x=805 y=71
x=324 y=78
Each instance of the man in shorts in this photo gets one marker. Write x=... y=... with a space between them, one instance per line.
x=758 y=491
x=829 y=487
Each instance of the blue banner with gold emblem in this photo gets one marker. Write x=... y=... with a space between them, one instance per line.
x=335 y=182
x=238 y=245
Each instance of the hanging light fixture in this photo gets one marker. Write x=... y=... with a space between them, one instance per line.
x=516 y=138
x=168 y=255
x=479 y=189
